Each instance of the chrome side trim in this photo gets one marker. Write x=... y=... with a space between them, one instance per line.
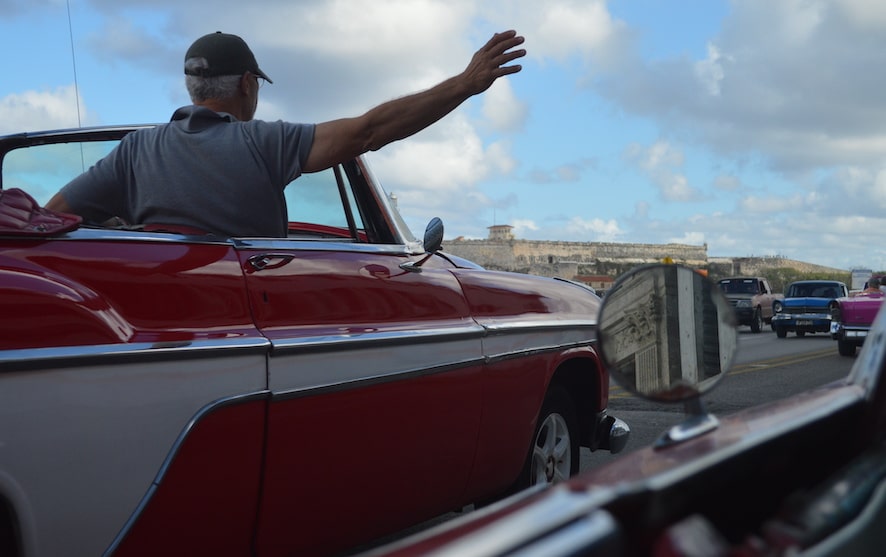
x=558 y=324
x=348 y=341
x=320 y=244
x=356 y=341
x=86 y=233
x=176 y=446
x=522 y=341
x=30 y=359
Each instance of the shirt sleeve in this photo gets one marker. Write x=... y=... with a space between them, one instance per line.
x=286 y=144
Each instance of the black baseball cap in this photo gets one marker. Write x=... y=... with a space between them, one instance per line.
x=225 y=54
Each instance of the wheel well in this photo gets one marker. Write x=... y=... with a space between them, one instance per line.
x=9 y=532
x=581 y=379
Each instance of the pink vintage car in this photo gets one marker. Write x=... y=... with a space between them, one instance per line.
x=851 y=319
x=170 y=393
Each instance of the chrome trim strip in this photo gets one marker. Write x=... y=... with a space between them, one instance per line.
x=167 y=462
x=495 y=358
x=70 y=356
x=357 y=341
x=342 y=343
x=552 y=325
x=319 y=244
x=394 y=338
x=86 y=233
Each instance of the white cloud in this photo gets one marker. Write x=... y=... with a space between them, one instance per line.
x=522 y=227
x=690 y=238
x=41 y=110
x=502 y=109
x=710 y=71
x=561 y=29
x=597 y=230
x=662 y=163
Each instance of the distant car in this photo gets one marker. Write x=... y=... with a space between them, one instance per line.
x=752 y=298
x=170 y=391
x=851 y=320
x=806 y=307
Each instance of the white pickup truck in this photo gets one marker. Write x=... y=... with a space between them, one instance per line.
x=752 y=298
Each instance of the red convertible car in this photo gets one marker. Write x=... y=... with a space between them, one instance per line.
x=804 y=476
x=163 y=392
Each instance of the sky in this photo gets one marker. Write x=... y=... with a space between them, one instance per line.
x=755 y=127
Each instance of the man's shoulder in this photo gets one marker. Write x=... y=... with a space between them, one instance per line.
x=278 y=129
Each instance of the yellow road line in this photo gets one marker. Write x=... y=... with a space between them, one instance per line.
x=783 y=361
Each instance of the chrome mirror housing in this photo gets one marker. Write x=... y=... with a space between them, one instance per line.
x=668 y=334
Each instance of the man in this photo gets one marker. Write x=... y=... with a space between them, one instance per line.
x=873 y=286
x=214 y=168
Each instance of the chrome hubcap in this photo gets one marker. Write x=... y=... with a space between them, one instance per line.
x=551 y=452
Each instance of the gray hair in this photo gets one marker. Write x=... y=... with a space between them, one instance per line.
x=202 y=89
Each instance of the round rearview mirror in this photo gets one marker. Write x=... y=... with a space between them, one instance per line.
x=666 y=332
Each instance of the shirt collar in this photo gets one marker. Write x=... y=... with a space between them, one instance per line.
x=195 y=118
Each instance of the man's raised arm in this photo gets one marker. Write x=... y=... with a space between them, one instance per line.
x=339 y=140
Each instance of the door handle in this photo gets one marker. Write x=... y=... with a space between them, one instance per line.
x=266 y=261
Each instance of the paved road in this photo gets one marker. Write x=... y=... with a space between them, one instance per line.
x=766 y=368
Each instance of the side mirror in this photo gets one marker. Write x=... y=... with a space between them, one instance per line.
x=668 y=334
x=432 y=243
x=433 y=240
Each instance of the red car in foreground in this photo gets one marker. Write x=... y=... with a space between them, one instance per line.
x=804 y=476
x=169 y=393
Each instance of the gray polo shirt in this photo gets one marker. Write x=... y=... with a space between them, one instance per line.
x=204 y=169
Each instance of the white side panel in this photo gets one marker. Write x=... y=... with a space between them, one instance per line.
x=79 y=447
x=299 y=371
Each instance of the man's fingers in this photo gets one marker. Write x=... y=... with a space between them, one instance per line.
x=501 y=42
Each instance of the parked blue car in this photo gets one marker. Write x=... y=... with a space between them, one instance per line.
x=806 y=307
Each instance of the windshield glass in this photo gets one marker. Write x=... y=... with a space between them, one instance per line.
x=42 y=170
x=814 y=290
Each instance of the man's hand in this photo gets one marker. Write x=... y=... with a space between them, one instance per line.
x=488 y=63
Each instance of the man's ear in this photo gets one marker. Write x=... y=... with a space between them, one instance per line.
x=244 y=84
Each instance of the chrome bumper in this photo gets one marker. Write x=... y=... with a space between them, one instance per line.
x=613 y=434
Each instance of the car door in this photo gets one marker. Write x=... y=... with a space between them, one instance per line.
x=373 y=372
x=132 y=379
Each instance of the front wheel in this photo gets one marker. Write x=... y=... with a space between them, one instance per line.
x=757 y=322
x=781 y=332
x=845 y=348
x=554 y=455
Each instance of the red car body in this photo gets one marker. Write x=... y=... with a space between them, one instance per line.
x=802 y=476
x=163 y=393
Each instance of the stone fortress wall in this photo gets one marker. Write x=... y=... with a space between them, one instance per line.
x=501 y=251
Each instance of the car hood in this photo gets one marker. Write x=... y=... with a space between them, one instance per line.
x=807 y=301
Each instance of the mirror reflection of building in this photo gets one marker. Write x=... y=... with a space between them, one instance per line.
x=665 y=333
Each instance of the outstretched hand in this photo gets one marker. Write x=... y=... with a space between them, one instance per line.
x=489 y=63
